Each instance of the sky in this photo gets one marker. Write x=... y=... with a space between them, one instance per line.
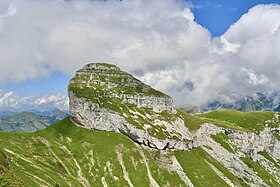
x=196 y=51
x=218 y=15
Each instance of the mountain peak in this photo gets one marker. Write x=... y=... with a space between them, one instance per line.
x=107 y=81
x=56 y=110
x=101 y=66
x=104 y=97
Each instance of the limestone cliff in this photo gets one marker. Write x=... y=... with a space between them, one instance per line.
x=105 y=98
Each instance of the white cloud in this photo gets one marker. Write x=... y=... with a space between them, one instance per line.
x=10 y=101
x=254 y=79
x=241 y=62
x=45 y=36
x=159 y=41
x=260 y=22
x=11 y=11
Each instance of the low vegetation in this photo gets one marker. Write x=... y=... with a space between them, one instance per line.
x=250 y=121
x=222 y=139
x=260 y=171
x=65 y=155
x=198 y=166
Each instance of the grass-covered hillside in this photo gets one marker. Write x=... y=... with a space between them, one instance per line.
x=249 y=121
x=66 y=155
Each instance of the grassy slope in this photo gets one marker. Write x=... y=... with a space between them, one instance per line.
x=250 y=121
x=277 y=136
x=268 y=157
x=261 y=172
x=196 y=164
x=6 y=176
x=65 y=154
x=222 y=139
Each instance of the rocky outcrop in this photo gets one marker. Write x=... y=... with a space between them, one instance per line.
x=98 y=95
x=112 y=78
x=90 y=115
x=246 y=145
x=158 y=104
x=250 y=143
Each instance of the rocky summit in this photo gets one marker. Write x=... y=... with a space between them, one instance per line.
x=104 y=97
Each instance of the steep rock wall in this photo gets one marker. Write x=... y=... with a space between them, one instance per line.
x=89 y=115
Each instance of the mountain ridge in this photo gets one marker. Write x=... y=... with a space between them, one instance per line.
x=28 y=121
x=256 y=102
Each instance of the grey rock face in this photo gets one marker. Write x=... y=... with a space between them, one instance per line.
x=158 y=104
x=89 y=115
x=247 y=144
x=252 y=144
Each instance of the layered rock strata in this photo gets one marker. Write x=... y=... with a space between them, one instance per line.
x=102 y=97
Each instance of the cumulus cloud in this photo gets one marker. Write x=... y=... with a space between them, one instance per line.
x=158 y=41
x=44 y=36
x=10 y=101
x=243 y=61
x=249 y=48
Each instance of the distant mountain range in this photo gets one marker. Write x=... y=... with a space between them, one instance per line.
x=29 y=121
x=256 y=102
x=5 y=113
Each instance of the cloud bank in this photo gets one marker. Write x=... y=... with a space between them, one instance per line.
x=10 y=101
x=158 y=41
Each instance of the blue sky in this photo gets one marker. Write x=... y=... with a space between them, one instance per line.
x=214 y=15
x=218 y=15
x=56 y=82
